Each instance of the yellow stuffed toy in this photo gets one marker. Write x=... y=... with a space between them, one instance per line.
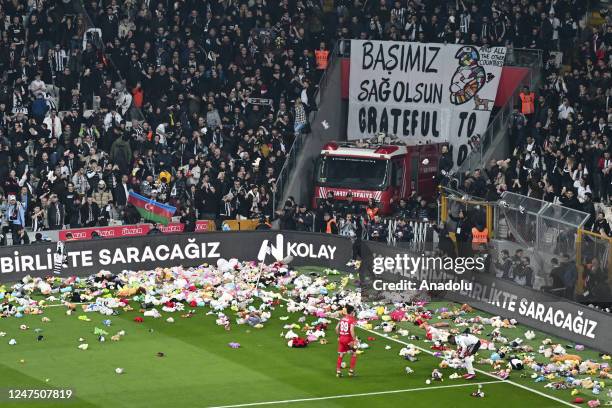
x=566 y=357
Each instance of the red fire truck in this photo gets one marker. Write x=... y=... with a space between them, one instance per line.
x=379 y=171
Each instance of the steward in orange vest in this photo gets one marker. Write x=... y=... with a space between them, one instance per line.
x=322 y=57
x=330 y=224
x=527 y=101
x=479 y=237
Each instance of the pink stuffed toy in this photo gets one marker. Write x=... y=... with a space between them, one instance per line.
x=398 y=315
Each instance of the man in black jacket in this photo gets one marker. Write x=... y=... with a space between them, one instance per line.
x=21 y=236
x=189 y=219
x=463 y=234
x=479 y=186
x=208 y=201
x=556 y=274
x=55 y=213
x=90 y=212
x=303 y=219
x=121 y=192
x=351 y=207
x=445 y=164
x=596 y=286
x=569 y=200
x=377 y=230
x=287 y=222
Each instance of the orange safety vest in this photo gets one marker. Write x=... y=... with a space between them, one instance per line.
x=328 y=228
x=138 y=97
x=527 y=103
x=321 y=57
x=479 y=237
x=372 y=212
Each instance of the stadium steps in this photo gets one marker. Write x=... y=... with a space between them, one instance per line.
x=330 y=111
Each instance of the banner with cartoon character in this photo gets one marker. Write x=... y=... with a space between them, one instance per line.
x=423 y=92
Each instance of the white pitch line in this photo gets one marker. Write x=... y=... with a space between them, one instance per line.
x=363 y=394
x=559 y=400
x=61 y=304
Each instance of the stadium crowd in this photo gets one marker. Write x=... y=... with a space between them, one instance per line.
x=196 y=104
x=561 y=136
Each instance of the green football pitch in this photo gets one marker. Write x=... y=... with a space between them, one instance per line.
x=199 y=369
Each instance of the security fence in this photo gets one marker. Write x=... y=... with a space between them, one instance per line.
x=538 y=244
x=594 y=246
x=413 y=234
x=423 y=238
x=477 y=210
x=594 y=265
x=516 y=219
x=540 y=229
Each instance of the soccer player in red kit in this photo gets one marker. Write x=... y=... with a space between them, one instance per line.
x=347 y=341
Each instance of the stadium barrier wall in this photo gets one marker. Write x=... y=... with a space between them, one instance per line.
x=116 y=231
x=239 y=225
x=557 y=316
x=130 y=230
x=83 y=258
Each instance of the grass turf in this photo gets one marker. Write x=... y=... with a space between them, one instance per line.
x=200 y=370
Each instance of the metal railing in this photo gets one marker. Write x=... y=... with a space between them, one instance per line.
x=290 y=162
x=423 y=236
x=293 y=155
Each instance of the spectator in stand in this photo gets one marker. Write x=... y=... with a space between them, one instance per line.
x=89 y=212
x=21 y=237
x=423 y=211
x=349 y=227
x=55 y=213
x=569 y=276
x=189 y=219
x=101 y=196
x=403 y=209
x=523 y=273
x=300 y=116
x=601 y=225
x=285 y=215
